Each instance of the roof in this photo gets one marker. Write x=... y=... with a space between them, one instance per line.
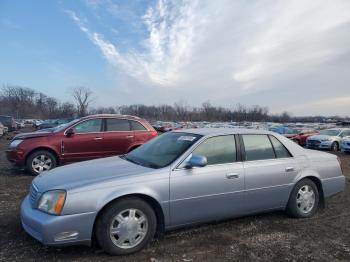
x=222 y=131
x=111 y=115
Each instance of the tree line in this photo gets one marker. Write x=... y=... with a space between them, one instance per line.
x=21 y=102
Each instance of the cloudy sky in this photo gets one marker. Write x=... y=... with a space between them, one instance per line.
x=287 y=55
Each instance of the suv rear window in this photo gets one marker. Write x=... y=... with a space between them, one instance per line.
x=136 y=126
x=114 y=124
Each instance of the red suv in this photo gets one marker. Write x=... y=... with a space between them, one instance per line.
x=303 y=134
x=82 y=139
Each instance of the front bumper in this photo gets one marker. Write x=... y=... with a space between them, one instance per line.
x=16 y=156
x=57 y=230
x=345 y=147
x=319 y=145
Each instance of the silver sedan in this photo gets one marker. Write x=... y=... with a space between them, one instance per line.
x=179 y=178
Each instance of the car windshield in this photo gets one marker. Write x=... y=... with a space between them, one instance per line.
x=330 y=132
x=63 y=126
x=163 y=150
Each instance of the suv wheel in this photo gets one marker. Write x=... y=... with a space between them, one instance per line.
x=126 y=226
x=335 y=147
x=40 y=161
x=304 y=199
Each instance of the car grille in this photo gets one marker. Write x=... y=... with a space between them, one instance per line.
x=33 y=194
x=313 y=142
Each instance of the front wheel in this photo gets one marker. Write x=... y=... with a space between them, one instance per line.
x=40 y=161
x=335 y=147
x=126 y=226
x=304 y=199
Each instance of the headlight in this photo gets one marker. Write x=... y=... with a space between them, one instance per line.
x=15 y=143
x=325 y=139
x=52 y=201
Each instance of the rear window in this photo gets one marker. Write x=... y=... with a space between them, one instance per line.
x=257 y=147
x=280 y=149
x=114 y=124
x=136 y=126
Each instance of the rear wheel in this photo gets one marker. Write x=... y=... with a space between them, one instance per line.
x=40 y=161
x=126 y=226
x=304 y=199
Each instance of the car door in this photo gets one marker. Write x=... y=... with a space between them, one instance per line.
x=214 y=191
x=269 y=172
x=85 y=143
x=118 y=136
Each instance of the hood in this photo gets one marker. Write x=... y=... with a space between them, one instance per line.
x=87 y=173
x=319 y=137
x=32 y=135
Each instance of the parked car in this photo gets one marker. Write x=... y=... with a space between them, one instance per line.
x=179 y=178
x=82 y=139
x=303 y=134
x=282 y=130
x=345 y=145
x=2 y=131
x=52 y=123
x=9 y=122
x=328 y=139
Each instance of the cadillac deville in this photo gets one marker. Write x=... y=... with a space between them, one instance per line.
x=179 y=178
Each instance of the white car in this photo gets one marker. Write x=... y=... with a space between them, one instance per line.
x=328 y=139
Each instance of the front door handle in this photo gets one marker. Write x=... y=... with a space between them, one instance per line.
x=98 y=138
x=232 y=175
x=129 y=137
x=289 y=169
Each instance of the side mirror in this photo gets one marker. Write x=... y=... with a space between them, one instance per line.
x=301 y=134
x=196 y=161
x=70 y=132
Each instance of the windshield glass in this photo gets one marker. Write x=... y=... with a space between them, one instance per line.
x=63 y=126
x=163 y=150
x=332 y=132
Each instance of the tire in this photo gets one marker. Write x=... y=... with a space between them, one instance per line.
x=120 y=243
x=335 y=147
x=296 y=202
x=48 y=162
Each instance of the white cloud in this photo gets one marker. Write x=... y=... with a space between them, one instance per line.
x=232 y=51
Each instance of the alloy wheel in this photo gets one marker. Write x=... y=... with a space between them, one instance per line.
x=41 y=163
x=128 y=228
x=305 y=199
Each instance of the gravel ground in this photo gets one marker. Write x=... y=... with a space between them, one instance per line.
x=266 y=237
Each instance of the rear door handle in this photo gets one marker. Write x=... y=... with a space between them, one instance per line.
x=98 y=138
x=129 y=136
x=232 y=175
x=289 y=169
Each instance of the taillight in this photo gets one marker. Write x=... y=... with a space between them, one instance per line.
x=154 y=133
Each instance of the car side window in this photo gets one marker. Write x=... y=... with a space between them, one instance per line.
x=114 y=124
x=218 y=150
x=280 y=150
x=136 y=126
x=257 y=147
x=89 y=126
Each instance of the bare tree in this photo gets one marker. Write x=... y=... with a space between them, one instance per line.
x=83 y=98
